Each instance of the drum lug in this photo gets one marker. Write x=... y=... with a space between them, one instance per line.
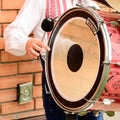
x=82 y=113
x=116 y=63
x=110 y=113
x=106 y=62
x=108 y=101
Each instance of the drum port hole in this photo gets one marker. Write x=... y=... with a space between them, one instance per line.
x=74 y=58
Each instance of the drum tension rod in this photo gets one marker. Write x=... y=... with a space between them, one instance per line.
x=43 y=57
x=90 y=101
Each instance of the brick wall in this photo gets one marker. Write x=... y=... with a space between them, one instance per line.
x=17 y=70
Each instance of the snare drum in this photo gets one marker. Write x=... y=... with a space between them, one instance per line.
x=83 y=67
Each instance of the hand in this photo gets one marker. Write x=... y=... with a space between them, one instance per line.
x=34 y=47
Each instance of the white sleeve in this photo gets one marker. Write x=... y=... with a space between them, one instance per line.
x=17 y=33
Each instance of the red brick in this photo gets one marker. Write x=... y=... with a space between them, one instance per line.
x=8 y=69
x=32 y=113
x=3 y=28
x=8 y=95
x=26 y=114
x=14 y=107
x=0 y=4
x=2 y=46
x=13 y=81
x=0 y=30
x=7 y=57
x=38 y=79
x=37 y=91
x=12 y=4
x=29 y=67
x=38 y=103
x=7 y=16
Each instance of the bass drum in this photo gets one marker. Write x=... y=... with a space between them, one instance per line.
x=77 y=66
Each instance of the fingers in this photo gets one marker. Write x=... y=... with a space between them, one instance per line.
x=33 y=53
x=45 y=46
x=34 y=47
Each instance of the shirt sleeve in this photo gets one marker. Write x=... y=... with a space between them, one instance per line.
x=17 y=33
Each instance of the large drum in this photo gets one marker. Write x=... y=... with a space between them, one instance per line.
x=83 y=66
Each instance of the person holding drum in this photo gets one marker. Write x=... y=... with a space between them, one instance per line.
x=18 y=42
